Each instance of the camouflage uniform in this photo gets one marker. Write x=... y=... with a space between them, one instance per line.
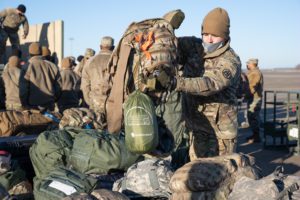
x=88 y=54
x=9 y=28
x=214 y=124
x=254 y=99
x=94 y=80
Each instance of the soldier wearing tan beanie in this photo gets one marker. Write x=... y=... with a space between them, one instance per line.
x=43 y=81
x=70 y=86
x=35 y=49
x=215 y=126
x=13 y=76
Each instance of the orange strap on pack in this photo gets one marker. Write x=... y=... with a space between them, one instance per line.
x=145 y=44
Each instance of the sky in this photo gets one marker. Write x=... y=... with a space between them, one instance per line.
x=265 y=29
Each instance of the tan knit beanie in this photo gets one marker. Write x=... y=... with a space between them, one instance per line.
x=66 y=63
x=35 y=48
x=13 y=61
x=46 y=51
x=217 y=23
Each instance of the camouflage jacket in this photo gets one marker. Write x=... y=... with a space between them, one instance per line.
x=94 y=83
x=42 y=83
x=70 y=88
x=12 y=78
x=256 y=83
x=12 y=20
x=216 y=88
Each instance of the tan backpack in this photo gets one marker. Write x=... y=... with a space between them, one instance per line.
x=145 y=47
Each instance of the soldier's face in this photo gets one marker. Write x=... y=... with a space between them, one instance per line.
x=209 y=38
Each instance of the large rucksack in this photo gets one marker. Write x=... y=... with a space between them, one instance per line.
x=149 y=178
x=277 y=186
x=145 y=47
x=211 y=178
x=29 y=121
x=141 y=133
x=62 y=182
x=98 y=152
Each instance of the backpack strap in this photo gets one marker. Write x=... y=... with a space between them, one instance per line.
x=115 y=100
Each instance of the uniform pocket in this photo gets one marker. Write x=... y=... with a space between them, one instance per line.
x=227 y=123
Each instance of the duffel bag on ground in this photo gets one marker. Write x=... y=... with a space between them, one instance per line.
x=274 y=186
x=62 y=182
x=32 y=121
x=98 y=152
x=213 y=177
x=51 y=150
x=82 y=118
x=148 y=178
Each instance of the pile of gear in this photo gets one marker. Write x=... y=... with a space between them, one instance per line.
x=139 y=147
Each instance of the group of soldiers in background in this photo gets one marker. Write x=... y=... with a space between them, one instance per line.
x=40 y=84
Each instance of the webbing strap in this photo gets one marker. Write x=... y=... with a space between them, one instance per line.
x=115 y=101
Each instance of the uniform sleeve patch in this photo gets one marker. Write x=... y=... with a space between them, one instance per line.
x=227 y=73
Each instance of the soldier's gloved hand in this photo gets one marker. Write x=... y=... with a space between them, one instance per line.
x=164 y=79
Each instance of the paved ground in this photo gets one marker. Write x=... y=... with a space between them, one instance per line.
x=269 y=159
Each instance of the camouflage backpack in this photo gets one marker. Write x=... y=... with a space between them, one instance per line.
x=145 y=48
x=149 y=178
x=211 y=178
x=274 y=186
x=82 y=118
x=103 y=194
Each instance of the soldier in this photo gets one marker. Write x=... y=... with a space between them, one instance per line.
x=70 y=86
x=42 y=81
x=10 y=20
x=46 y=54
x=254 y=98
x=216 y=130
x=13 y=76
x=88 y=54
x=93 y=73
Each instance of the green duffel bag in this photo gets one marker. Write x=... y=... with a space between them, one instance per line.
x=99 y=152
x=62 y=182
x=51 y=150
x=141 y=132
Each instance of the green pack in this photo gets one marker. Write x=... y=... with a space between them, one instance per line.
x=12 y=177
x=62 y=182
x=51 y=150
x=141 y=132
x=99 y=152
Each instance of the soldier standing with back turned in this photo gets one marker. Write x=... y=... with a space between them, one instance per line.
x=254 y=98
x=217 y=108
x=93 y=76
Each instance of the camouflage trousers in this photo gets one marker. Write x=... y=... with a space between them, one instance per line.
x=254 y=107
x=203 y=144
x=13 y=38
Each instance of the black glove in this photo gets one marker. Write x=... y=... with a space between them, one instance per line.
x=165 y=80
